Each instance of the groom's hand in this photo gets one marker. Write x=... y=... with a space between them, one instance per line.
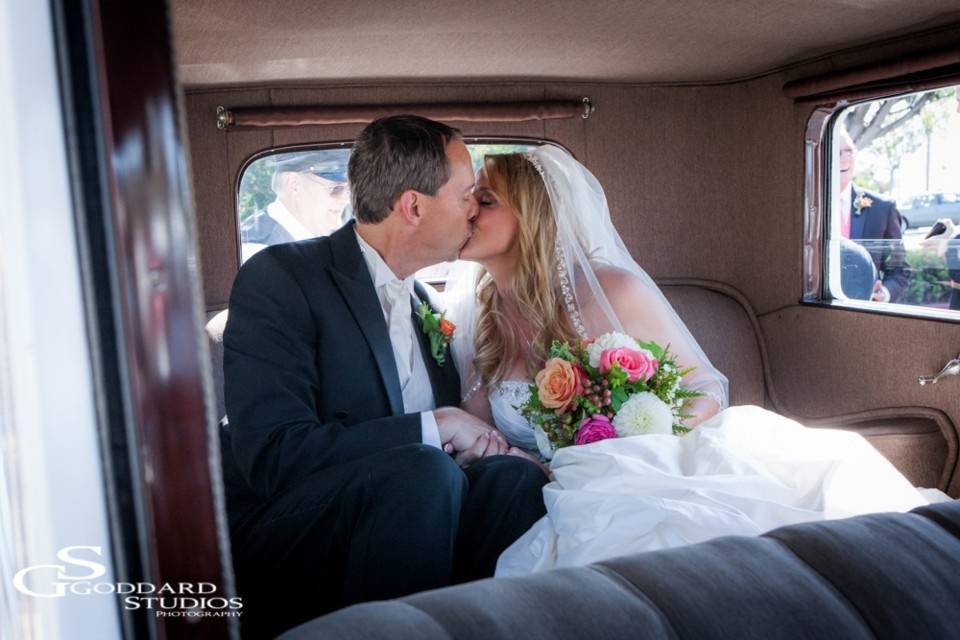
x=466 y=436
x=491 y=443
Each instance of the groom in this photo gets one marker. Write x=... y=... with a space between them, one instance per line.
x=339 y=485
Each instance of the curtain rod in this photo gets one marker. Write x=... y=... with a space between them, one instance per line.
x=838 y=84
x=299 y=116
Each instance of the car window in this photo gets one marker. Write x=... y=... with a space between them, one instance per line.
x=298 y=194
x=894 y=175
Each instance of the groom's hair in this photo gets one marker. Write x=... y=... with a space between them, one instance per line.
x=392 y=155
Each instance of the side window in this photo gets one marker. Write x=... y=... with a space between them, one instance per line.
x=295 y=195
x=292 y=196
x=893 y=228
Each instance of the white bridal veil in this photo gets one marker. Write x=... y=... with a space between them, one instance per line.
x=586 y=241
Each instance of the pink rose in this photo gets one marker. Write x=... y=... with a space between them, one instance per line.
x=581 y=374
x=639 y=365
x=594 y=428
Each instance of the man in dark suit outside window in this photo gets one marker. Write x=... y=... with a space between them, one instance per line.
x=874 y=223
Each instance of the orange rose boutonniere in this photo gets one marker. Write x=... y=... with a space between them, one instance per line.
x=438 y=329
x=861 y=203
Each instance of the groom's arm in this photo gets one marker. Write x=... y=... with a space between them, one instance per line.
x=269 y=381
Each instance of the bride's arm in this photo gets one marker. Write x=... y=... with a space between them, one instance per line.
x=644 y=317
x=478 y=404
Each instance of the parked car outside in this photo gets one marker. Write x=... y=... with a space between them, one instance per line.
x=926 y=209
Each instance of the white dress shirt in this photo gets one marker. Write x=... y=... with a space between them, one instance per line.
x=394 y=295
x=282 y=216
x=279 y=212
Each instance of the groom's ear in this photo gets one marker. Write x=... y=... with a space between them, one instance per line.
x=408 y=207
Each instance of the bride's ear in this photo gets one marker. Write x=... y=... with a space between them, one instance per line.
x=408 y=207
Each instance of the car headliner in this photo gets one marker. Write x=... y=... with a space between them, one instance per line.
x=230 y=42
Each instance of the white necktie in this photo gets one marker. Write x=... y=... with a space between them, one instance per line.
x=401 y=328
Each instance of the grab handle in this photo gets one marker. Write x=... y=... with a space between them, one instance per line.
x=952 y=368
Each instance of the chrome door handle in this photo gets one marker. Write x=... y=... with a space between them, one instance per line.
x=952 y=368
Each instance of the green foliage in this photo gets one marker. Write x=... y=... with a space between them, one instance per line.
x=659 y=353
x=928 y=271
x=561 y=349
x=430 y=325
x=618 y=396
x=255 y=187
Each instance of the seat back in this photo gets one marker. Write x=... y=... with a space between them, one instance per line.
x=721 y=320
x=717 y=316
x=890 y=575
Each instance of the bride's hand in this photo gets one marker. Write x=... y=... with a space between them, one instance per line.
x=489 y=443
x=520 y=453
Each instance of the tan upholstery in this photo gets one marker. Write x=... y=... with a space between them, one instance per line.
x=714 y=312
x=725 y=328
x=216 y=323
x=920 y=456
x=237 y=41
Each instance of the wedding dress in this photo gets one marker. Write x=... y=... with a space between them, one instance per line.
x=744 y=471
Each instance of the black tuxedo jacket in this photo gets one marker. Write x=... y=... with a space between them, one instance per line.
x=263 y=229
x=310 y=379
x=881 y=221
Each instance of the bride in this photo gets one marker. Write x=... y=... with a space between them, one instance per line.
x=548 y=264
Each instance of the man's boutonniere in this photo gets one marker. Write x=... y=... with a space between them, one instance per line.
x=438 y=329
x=861 y=203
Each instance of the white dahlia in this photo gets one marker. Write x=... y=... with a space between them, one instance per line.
x=612 y=340
x=643 y=413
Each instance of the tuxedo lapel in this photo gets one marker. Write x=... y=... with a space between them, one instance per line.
x=444 y=380
x=353 y=279
x=857 y=221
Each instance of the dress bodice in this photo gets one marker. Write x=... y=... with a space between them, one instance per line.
x=505 y=402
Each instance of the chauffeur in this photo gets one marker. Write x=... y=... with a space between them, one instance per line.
x=312 y=193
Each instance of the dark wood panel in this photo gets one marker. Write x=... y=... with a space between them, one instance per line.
x=156 y=293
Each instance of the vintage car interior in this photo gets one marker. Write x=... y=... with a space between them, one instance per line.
x=714 y=129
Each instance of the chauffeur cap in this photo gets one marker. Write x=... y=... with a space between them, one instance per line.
x=326 y=163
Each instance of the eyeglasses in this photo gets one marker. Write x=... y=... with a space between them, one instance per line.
x=337 y=189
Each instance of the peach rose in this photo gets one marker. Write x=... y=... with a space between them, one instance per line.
x=638 y=364
x=557 y=383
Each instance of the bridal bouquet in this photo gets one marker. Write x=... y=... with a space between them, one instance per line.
x=606 y=387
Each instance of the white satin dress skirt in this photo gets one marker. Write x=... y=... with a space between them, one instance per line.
x=743 y=472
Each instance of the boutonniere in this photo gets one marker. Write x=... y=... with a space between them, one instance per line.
x=438 y=329
x=861 y=203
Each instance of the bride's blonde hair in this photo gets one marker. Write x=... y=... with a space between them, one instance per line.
x=535 y=290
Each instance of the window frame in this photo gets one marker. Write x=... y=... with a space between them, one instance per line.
x=348 y=144
x=818 y=171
